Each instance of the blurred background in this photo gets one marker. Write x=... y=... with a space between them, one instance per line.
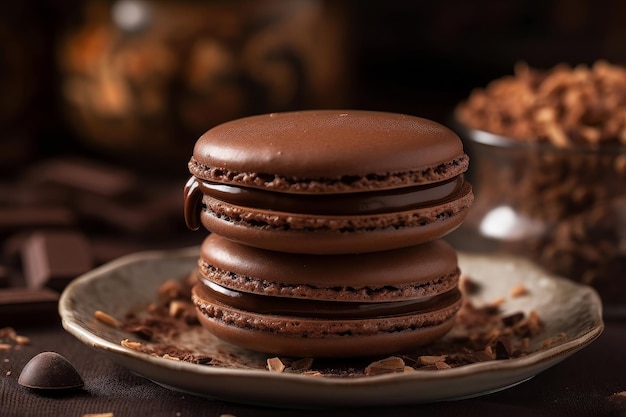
x=136 y=81
x=129 y=85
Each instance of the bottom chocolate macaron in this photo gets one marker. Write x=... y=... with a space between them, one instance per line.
x=327 y=305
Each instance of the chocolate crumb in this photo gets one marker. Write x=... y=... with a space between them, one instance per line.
x=512 y=319
x=302 y=364
x=468 y=286
x=170 y=290
x=503 y=348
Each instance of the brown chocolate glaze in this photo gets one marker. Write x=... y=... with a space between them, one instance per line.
x=333 y=204
x=335 y=310
x=319 y=234
x=327 y=144
x=192 y=203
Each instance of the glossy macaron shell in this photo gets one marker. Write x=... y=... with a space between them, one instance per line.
x=289 y=151
x=408 y=273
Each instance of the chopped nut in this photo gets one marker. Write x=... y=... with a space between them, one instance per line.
x=518 y=291
x=5 y=346
x=177 y=308
x=431 y=360
x=275 y=365
x=384 y=366
x=173 y=358
x=489 y=351
x=99 y=415
x=576 y=108
x=442 y=365
x=131 y=345
x=552 y=340
x=498 y=302
x=105 y=318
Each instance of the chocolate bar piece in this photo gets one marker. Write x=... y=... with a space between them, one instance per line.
x=15 y=218
x=84 y=175
x=27 y=306
x=53 y=259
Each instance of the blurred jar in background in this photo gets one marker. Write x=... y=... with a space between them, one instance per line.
x=548 y=158
x=148 y=77
x=563 y=208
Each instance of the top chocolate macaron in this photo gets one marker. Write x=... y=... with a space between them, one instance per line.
x=328 y=181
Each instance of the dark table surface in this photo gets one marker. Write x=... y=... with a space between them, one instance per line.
x=584 y=384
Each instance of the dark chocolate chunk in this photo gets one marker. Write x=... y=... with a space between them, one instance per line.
x=513 y=319
x=50 y=371
x=503 y=348
x=84 y=175
x=28 y=195
x=16 y=218
x=147 y=214
x=106 y=249
x=54 y=258
x=27 y=306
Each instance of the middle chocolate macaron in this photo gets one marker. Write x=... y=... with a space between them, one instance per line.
x=328 y=182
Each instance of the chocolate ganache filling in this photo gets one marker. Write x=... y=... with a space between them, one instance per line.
x=283 y=306
x=358 y=203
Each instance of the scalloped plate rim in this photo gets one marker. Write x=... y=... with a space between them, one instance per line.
x=533 y=363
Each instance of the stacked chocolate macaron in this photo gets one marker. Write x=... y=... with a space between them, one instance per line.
x=326 y=230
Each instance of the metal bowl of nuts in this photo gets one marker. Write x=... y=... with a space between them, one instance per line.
x=548 y=154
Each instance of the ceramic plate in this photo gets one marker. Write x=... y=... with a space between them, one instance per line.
x=566 y=308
